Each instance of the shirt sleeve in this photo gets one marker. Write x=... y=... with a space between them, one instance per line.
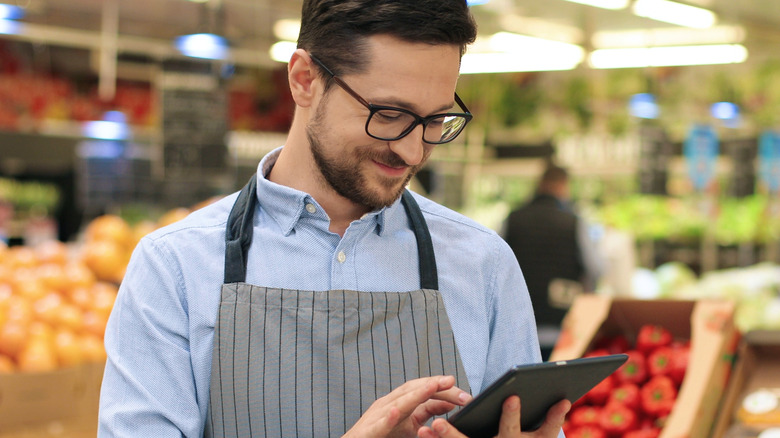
x=148 y=386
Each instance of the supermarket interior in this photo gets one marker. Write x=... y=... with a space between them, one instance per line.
x=120 y=117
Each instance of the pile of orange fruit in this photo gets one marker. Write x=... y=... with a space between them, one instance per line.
x=55 y=298
x=53 y=309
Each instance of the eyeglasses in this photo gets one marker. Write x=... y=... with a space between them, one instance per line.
x=390 y=123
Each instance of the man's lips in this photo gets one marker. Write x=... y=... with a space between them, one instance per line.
x=391 y=170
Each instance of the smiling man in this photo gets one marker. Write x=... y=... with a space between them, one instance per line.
x=325 y=299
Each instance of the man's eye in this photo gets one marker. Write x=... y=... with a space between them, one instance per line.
x=389 y=116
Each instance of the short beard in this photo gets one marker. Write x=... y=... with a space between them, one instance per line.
x=344 y=176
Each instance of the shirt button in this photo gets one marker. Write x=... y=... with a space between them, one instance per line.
x=342 y=257
x=311 y=208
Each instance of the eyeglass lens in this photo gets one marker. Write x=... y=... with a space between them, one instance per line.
x=391 y=124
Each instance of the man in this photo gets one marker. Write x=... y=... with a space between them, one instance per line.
x=346 y=307
x=555 y=252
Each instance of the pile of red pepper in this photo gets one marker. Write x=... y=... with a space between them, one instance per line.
x=635 y=400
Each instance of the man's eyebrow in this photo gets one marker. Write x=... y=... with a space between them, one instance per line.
x=400 y=103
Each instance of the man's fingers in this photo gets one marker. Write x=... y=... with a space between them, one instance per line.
x=554 y=421
x=509 y=425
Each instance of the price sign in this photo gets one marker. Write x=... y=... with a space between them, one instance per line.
x=769 y=160
x=701 y=153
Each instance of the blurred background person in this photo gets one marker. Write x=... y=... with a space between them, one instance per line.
x=556 y=252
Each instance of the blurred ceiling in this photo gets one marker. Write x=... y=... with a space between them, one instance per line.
x=150 y=25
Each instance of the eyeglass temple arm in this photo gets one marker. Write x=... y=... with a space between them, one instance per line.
x=341 y=83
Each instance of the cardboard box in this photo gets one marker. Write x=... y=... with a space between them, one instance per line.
x=757 y=366
x=708 y=324
x=29 y=400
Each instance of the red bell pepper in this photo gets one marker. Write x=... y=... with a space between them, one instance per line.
x=626 y=394
x=585 y=416
x=614 y=344
x=586 y=432
x=644 y=433
x=599 y=394
x=597 y=352
x=634 y=370
x=617 y=419
x=651 y=337
x=657 y=396
x=660 y=361
x=679 y=363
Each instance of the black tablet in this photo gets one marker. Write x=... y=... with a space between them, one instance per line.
x=539 y=386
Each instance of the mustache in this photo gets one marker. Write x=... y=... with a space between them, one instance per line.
x=388 y=158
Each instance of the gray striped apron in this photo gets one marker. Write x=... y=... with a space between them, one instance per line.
x=308 y=363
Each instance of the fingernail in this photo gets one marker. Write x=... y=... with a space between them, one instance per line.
x=464 y=397
x=444 y=380
x=440 y=427
x=514 y=403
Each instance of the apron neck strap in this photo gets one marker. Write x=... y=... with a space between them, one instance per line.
x=238 y=237
x=429 y=277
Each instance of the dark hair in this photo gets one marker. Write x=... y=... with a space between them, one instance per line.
x=552 y=175
x=336 y=30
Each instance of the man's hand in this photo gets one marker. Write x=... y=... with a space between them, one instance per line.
x=509 y=426
x=402 y=412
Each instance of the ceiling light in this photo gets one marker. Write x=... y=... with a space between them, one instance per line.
x=287 y=29
x=675 y=13
x=283 y=50
x=476 y=2
x=10 y=12
x=604 y=4
x=203 y=45
x=644 y=106
x=673 y=36
x=509 y=52
x=668 y=56
x=724 y=110
x=10 y=27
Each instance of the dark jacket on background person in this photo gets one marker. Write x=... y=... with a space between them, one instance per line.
x=543 y=236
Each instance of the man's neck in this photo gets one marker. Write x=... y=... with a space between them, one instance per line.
x=295 y=168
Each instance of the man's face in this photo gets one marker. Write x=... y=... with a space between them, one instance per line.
x=370 y=172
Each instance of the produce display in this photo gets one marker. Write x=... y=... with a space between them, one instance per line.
x=756 y=289
x=55 y=298
x=635 y=400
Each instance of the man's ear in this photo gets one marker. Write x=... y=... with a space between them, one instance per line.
x=301 y=75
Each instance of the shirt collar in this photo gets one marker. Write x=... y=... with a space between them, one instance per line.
x=287 y=205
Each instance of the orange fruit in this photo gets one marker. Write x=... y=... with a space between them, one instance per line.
x=47 y=309
x=51 y=251
x=67 y=347
x=26 y=284
x=21 y=257
x=103 y=298
x=19 y=310
x=141 y=229
x=13 y=338
x=106 y=259
x=173 y=215
x=78 y=275
x=81 y=297
x=52 y=276
x=37 y=357
x=40 y=331
x=7 y=365
x=70 y=317
x=110 y=228
x=94 y=323
x=92 y=348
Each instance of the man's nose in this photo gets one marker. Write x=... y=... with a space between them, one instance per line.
x=410 y=148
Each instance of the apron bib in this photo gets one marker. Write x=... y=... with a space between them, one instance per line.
x=309 y=363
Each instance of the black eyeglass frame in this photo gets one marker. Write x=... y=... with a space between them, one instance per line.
x=418 y=120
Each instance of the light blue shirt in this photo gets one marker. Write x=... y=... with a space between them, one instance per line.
x=159 y=336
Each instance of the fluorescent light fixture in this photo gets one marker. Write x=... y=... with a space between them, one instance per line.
x=283 y=50
x=10 y=12
x=10 y=27
x=604 y=4
x=476 y=2
x=287 y=29
x=672 y=36
x=203 y=45
x=509 y=52
x=675 y=13
x=724 y=110
x=668 y=56
x=541 y=28
x=112 y=127
x=644 y=106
